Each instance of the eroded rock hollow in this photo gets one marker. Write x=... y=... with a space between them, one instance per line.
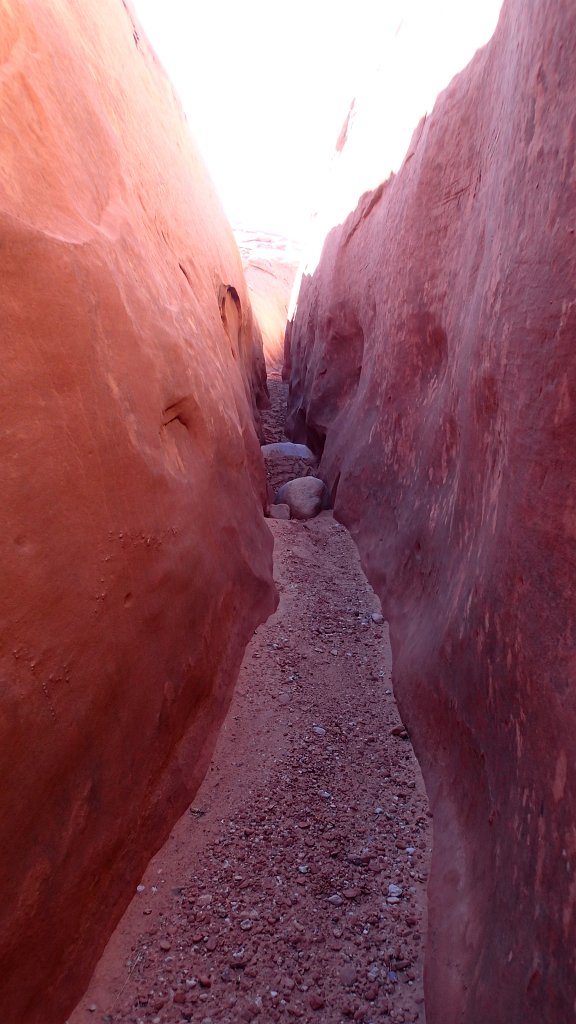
x=136 y=558
x=432 y=368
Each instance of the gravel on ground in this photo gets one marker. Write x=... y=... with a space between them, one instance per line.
x=294 y=886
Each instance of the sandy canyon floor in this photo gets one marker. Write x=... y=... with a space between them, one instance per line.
x=294 y=887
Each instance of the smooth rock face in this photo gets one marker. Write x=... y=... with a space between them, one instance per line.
x=305 y=497
x=136 y=560
x=270 y=263
x=433 y=366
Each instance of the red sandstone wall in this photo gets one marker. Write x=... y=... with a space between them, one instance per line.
x=433 y=359
x=270 y=264
x=136 y=561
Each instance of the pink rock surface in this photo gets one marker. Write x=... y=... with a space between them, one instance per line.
x=136 y=560
x=270 y=263
x=432 y=365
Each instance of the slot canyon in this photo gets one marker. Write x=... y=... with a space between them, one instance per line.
x=287 y=615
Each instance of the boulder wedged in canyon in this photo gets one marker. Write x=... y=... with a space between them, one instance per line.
x=305 y=496
x=136 y=560
x=432 y=367
x=284 y=462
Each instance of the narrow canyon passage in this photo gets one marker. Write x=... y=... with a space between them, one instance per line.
x=398 y=236
x=294 y=887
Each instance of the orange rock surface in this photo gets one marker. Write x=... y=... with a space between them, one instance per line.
x=270 y=265
x=136 y=560
x=433 y=368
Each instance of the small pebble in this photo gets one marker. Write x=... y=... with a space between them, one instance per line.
x=348 y=974
x=351 y=893
x=398 y=730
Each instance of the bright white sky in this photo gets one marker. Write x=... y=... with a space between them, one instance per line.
x=266 y=84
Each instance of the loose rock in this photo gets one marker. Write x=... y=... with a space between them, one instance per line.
x=348 y=975
x=306 y=497
x=280 y=511
x=288 y=449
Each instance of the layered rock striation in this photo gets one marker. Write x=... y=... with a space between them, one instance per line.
x=136 y=560
x=432 y=369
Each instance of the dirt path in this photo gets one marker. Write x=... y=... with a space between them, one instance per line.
x=271 y=898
